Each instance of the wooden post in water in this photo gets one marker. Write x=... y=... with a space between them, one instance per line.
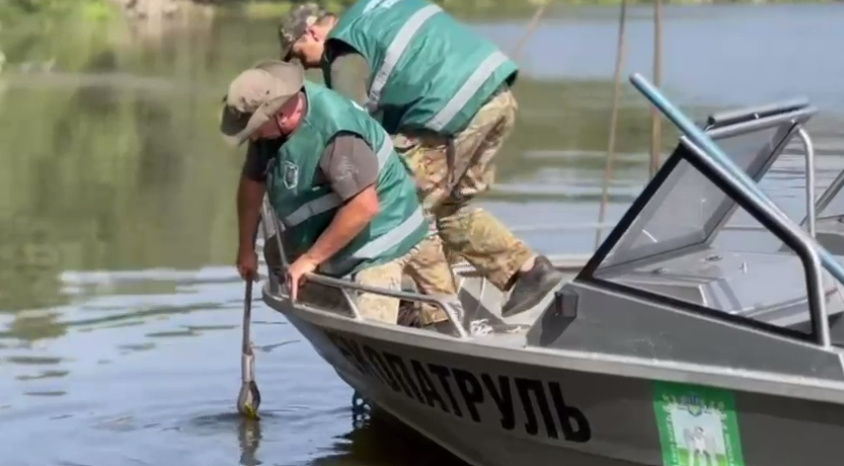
x=656 y=118
x=531 y=27
x=619 y=65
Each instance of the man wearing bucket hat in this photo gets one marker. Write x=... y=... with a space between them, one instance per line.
x=345 y=198
x=444 y=91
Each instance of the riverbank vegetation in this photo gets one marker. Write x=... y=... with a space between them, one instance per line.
x=477 y=8
x=12 y=11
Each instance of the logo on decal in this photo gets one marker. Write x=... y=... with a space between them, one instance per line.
x=697 y=425
x=692 y=404
x=291 y=175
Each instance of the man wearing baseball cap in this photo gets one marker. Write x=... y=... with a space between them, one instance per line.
x=346 y=200
x=445 y=92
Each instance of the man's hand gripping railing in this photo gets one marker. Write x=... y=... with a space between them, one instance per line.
x=446 y=303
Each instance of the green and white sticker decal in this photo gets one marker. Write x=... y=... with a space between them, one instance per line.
x=697 y=425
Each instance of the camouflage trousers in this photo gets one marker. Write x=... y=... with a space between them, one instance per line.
x=447 y=190
x=372 y=306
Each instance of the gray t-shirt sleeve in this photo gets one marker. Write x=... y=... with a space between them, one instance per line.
x=349 y=72
x=349 y=165
x=258 y=156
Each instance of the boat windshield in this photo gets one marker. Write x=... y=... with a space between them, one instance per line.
x=686 y=209
x=664 y=248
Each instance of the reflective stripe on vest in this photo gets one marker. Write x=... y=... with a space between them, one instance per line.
x=397 y=48
x=380 y=245
x=331 y=200
x=467 y=90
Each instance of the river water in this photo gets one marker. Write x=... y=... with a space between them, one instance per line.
x=119 y=304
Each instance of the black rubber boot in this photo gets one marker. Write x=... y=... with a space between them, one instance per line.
x=531 y=287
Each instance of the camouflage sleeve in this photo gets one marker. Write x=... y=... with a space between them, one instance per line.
x=349 y=165
x=349 y=74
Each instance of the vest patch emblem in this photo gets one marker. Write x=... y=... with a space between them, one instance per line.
x=291 y=175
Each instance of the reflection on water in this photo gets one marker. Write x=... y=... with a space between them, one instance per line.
x=119 y=309
x=365 y=445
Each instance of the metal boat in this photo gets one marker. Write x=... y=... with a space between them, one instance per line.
x=680 y=341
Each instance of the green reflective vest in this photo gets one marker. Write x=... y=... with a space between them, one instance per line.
x=427 y=70
x=306 y=209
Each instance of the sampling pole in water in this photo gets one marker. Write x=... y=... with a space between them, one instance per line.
x=249 y=397
x=619 y=65
x=656 y=118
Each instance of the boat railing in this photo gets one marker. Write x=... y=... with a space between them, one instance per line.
x=812 y=206
x=448 y=304
x=809 y=152
x=732 y=116
x=720 y=168
x=831 y=192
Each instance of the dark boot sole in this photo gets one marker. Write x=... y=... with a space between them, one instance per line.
x=549 y=282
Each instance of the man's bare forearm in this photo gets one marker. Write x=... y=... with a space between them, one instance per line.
x=250 y=196
x=349 y=221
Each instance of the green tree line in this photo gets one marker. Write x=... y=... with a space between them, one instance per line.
x=13 y=10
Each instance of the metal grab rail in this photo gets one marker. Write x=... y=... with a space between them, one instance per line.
x=447 y=304
x=755 y=202
x=809 y=149
x=811 y=206
x=602 y=226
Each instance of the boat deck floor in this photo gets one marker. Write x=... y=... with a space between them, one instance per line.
x=483 y=307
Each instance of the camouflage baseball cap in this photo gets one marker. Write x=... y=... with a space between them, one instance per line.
x=293 y=25
x=256 y=95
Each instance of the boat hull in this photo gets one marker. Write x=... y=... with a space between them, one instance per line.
x=496 y=413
